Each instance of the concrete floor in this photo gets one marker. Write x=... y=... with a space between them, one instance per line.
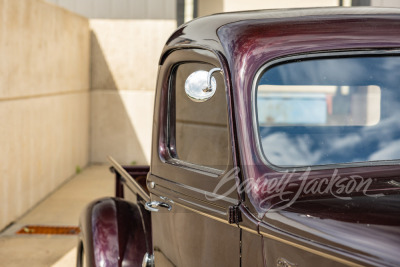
x=62 y=208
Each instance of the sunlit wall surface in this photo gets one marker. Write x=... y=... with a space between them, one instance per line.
x=127 y=37
x=44 y=102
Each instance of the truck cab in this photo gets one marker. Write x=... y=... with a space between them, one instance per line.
x=276 y=142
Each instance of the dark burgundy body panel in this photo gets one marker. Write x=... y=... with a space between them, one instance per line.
x=250 y=44
x=363 y=230
x=364 y=225
x=114 y=234
x=186 y=235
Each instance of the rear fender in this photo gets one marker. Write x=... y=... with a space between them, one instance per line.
x=115 y=232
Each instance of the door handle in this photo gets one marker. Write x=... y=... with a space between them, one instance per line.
x=152 y=205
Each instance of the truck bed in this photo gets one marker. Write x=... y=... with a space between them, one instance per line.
x=130 y=177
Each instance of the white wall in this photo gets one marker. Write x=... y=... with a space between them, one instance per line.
x=207 y=7
x=44 y=102
x=124 y=60
x=236 y=5
x=121 y=9
x=385 y=3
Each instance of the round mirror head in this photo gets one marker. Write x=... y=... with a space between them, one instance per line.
x=196 y=87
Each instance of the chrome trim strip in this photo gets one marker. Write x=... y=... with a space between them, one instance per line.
x=311 y=250
x=204 y=207
x=166 y=184
x=206 y=214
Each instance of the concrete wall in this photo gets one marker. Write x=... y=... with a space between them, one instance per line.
x=236 y=5
x=385 y=3
x=44 y=101
x=127 y=37
x=124 y=60
x=207 y=7
x=121 y=9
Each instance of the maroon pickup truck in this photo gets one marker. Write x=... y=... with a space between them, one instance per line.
x=276 y=142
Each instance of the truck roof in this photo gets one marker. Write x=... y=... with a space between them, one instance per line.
x=217 y=32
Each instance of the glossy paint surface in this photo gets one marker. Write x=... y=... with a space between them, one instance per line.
x=246 y=41
x=183 y=177
x=183 y=237
x=368 y=227
x=261 y=42
x=113 y=233
x=243 y=43
x=195 y=232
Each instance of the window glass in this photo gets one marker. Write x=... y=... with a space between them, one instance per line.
x=200 y=135
x=330 y=111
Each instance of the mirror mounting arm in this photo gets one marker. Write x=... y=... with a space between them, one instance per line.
x=209 y=76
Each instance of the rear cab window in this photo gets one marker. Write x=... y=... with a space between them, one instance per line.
x=329 y=111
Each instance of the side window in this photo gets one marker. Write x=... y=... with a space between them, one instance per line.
x=198 y=132
x=330 y=111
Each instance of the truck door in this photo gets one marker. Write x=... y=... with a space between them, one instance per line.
x=192 y=177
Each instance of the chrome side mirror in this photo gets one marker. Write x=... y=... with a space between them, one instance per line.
x=201 y=85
